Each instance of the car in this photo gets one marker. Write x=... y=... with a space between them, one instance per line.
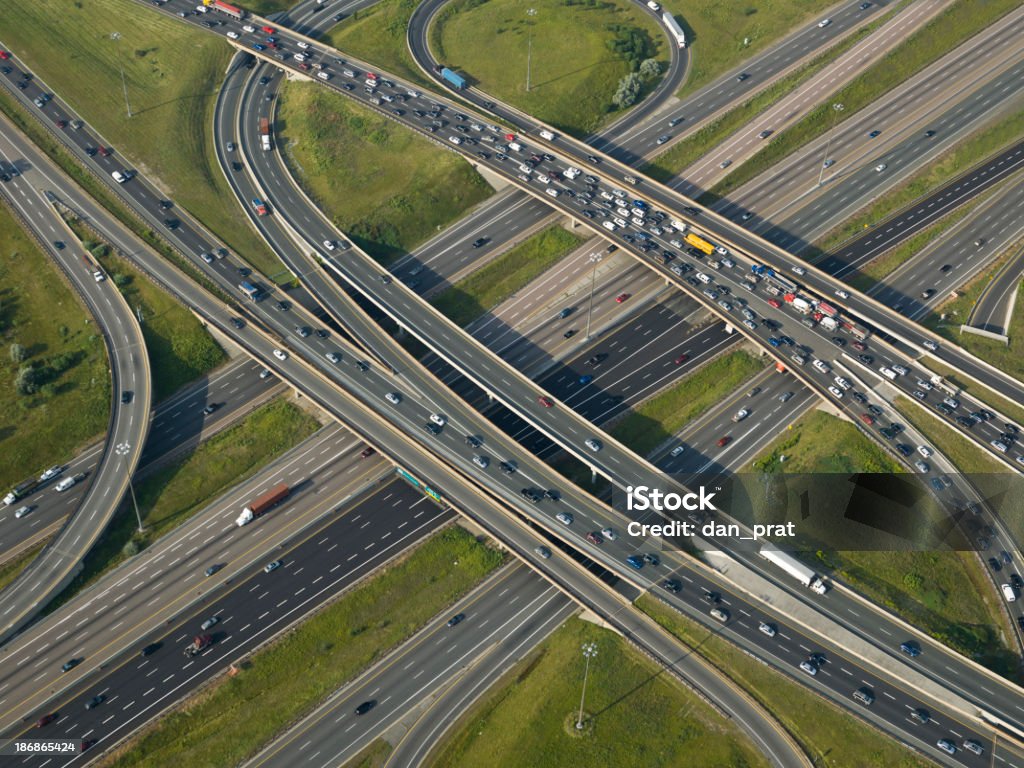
x=209 y=623
x=674 y=122
x=860 y=346
x=767 y=629
x=213 y=569
x=70 y=664
x=542 y=552
x=824 y=23
x=945 y=268
x=678 y=450
x=126 y=397
x=994 y=564
x=711 y=597
x=553 y=494
x=609 y=533
x=586 y=379
x=723 y=441
x=663 y=139
x=433 y=429
x=592 y=444
x=828 y=163
x=51 y=473
x=259 y=206
x=564 y=518
x=439 y=419
x=842 y=294
x=46 y=719
x=839 y=341
x=799 y=270
x=98 y=276
x=480 y=241
x=681 y=359
x=481 y=461
x=725 y=164
x=911 y=648
x=547 y=402
x=741 y=77
x=671 y=585
x=785 y=397
x=22 y=511
x=809 y=668
x=836 y=392
x=774 y=303
x=765 y=133
x=508 y=467
x=280 y=354
x=874 y=134
x=365 y=707
x=635 y=561
x=651 y=559
x=458 y=618
x=879 y=168
x=594 y=537
x=946 y=746
x=740 y=415
x=920 y=715
x=972 y=746
x=621 y=298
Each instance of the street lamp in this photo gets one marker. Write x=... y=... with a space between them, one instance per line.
x=122 y=450
x=836 y=109
x=589 y=652
x=529 y=45
x=116 y=37
x=595 y=259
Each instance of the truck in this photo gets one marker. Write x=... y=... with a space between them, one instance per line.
x=261 y=504
x=456 y=80
x=794 y=568
x=251 y=291
x=199 y=644
x=265 y=133
x=230 y=10
x=800 y=304
x=20 y=491
x=678 y=225
x=830 y=324
x=827 y=309
x=699 y=243
x=674 y=29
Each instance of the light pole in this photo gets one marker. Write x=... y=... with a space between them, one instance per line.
x=123 y=449
x=529 y=45
x=589 y=652
x=836 y=109
x=595 y=259
x=116 y=37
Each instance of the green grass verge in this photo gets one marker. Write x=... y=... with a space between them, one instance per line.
x=682 y=154
x=217 y=728
x=574 y=71
x=169 y=136
x=180 y=350
x=487 y=287
x=821 y=443
x=528 y=721
x=374 y=756
x=938 y=37
x=171 y=495
x=387 y=187
x=657 y=419
x=267 y=7
x=377 y=35
x=826 y=733
x=40 y=313
x=967 y=153
x=11 y=569
x=721 y=36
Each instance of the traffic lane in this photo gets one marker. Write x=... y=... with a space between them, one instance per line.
x=417 y=670
x=993 y=312
x=250 y=611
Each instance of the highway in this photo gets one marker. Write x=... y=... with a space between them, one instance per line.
x=103 y=490
x=177 y=426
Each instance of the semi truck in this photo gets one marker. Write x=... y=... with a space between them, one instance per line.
x=20 y=491
x=265 y=133
x=794 y=568
x=453 y=78
x=251 y=291
x=699 y=243
x=230 y=10
x=261 y=504
x=674 y=29
x=199 y=644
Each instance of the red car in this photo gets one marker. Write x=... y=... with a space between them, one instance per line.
x=621 y=298
x=724 y=441
x=594 y=537
x=860 y=346
x=46 y=720
x=368 y=452
x=867 y=418
x=682 y=359
x=547 y=402
x=5 y=55
x=259 y=206
x=268 y=30
x=104 y=151
x=62 y=124
x=774 y=302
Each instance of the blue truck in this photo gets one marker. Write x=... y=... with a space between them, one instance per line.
x=455 y=79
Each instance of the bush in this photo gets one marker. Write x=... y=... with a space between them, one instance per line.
x=628 y=91
x=27 y=382
x=17 y=353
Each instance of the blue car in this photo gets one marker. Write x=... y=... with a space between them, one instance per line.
x=259 y=47
x=586 y=379
x=635 y=561
x=774 y=341
x=271 y=39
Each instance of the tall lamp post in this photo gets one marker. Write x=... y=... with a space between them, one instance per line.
x=595 y=259
x=589 y=652
x=116 y=37
x=836 y=109
x=529 y=45
x=123 y=449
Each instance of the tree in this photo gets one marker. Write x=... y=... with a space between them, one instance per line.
x=628 y=90
x=649 y=69
x=17 y=353
x=27 y=382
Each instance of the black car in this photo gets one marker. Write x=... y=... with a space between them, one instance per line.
x=552 y=494
x=150 y=649
x=432 y=428
x=70 y=664
x=473 y=441
x=165 y=205
x=95 y=701
x=508 y=467
x=671 y=585
x=904 y=449
x=237 y=322
x=711 y=597
x=126 y=397
x=365 y=707
x=281 y=306
x=210 y=409
x=456 y=619
x=1016 y=582
x=569 y=334
x=875 y=410
x=741 y=77
x=866 y=359
x=172 y=223
x=213 y=569
x=995 y=564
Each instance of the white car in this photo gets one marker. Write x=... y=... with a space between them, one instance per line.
x=999 y=446
x=924 y=450
x=280 y=354
x=438 y=419
x=51 y=473
x=822 y=366
x=928 y=344
x=22 y=511
x=766 y=628
x=901 y=370
x=824 y=23
x=329 y=245
x=564 y=518
x=393 y=397
x=741 y=414
x=98 y=276
x=678 y=450
x=120 y=176
x=924 y=385
x=209 y=623
x=594 y=445
x=842 y=294
x=836 y=392
x=721 y=250
x=921 y=466
x=880 y=167
x=64 y=484
x=609 y=533
x=800 y=270
x=809 y=668
x=333 y=358
x=232 y=35
x=842 y=383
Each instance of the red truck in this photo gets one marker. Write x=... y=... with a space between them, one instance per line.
x=257 y=507
x=199 y=643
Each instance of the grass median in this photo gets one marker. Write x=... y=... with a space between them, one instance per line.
x=574 y=53
x=483 y=290
x=937 y=38
x=169 y=134
x=11 y=569
x=387 y=187
x=827 y=733
x=173 y=494
x=296 y=672
x=634 y=714
x=377 y=35
x=656 y=420
x=65 y=401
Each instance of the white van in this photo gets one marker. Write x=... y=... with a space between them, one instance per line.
x=67 y=482
x=1008 y=591
x=324 y=75
x=119 y=177
x=515 y=146
x=703 y=278
x=547 y=135
x=299 y=56
x=889 y=373
x=610 y=226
